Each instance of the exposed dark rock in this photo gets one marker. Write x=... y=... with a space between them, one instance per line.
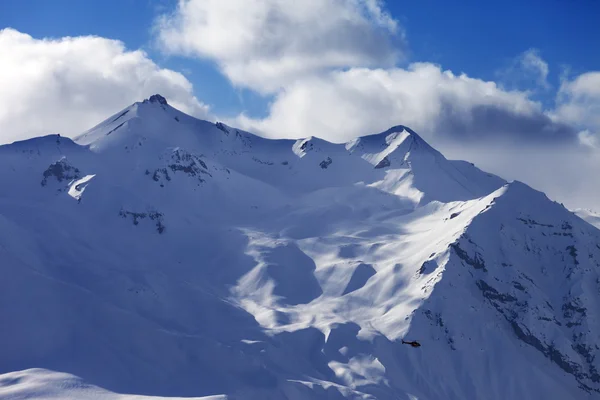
x=428 y=267
x=62 y=171
x=222 y=127
x=573 y=253
x=114 y=129
x=385 y=162
x=326 y=163
x=526 y=336
x=492 y=294
x=120 y=115
x=528 y=221
x=476 y=262
x=136 y=217
x=244 y=139
x=157 y=98
x=512 y=310
x=261 y=161
x=161 y=173
x=181 y=161
x=563 y=234
x=571 y=308
x=438 y=321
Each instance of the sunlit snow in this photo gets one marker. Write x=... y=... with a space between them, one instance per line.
x=205 y=261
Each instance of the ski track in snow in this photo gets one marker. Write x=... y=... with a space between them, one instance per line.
x=201 y=261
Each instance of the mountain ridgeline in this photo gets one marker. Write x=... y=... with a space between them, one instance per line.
x=160 y=255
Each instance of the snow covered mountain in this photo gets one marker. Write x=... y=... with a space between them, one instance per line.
x=160 y=255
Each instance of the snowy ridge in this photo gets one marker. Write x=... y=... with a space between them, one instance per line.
x=160 y=255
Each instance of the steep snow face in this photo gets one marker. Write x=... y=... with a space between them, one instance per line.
x=526 y=271
x=161 y=255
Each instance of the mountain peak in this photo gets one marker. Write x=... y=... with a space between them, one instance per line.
x=394 y=133
x=156 y=98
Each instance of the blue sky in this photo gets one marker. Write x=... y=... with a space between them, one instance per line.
x=479 y=37
x=476 y=37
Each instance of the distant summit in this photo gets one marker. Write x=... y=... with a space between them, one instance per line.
x=157 y=98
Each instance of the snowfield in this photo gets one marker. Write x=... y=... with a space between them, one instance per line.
x=160 y=255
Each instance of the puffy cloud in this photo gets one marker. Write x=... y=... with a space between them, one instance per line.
x=346 y=104
x=69 y=84
x=578 y=102
x=267 y=44
x=331 y=67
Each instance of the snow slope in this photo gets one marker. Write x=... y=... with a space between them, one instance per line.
x=161 y=255
x=44 y=384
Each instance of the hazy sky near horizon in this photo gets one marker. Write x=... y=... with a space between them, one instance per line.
x=512 y=86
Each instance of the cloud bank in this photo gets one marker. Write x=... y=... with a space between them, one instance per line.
x=442 y=105
x=69 y=84
x=332 y=67
x=266 y=44
x=578 y=102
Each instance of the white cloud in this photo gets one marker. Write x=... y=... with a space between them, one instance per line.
x=578 y=101
x=67 y=85
x=528 y=71
x=344 y=104
x=588 y=139
x=567 y=174
x=267 y=44
x=331 y=67
x=531 y=61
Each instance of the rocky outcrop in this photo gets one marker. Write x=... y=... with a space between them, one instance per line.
x=137 y=217
x=62 y=172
